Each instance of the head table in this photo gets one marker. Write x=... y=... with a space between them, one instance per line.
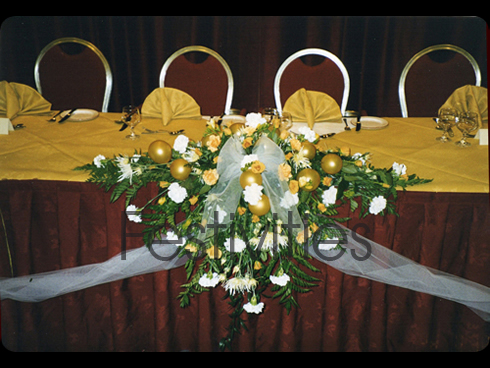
x=52 y=219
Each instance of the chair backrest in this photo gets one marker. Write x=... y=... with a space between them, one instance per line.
x=428 y=80
x=330 y=76
x=80 y=78
x=210 y=82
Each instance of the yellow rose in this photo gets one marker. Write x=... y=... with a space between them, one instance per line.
x=210 y=176
x=284 y=134
x=249 y=130
x=247 y=142
x=314 y=227
x=193 y=200
x=289 y=155
x=213 y=142
x=257 y=167
x=161 y=200
x=327 y=181
x=214 y=252
x=345 y=151
x=191 y=248
x=293 y=186
x=295 y=144
x=284 y=171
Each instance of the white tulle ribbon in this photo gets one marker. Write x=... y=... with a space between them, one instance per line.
x=362 y=258
x=224 y=198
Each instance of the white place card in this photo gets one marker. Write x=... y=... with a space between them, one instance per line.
x=5 y=126
x=483 y=136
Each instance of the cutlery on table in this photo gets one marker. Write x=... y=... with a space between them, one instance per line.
x=175 y=132
x=67 y=116
x=327 y=135
x=55 y=115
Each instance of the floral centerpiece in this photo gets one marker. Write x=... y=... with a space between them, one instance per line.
x=242 y=189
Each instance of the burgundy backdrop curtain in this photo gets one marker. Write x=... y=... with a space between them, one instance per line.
x=54 y=225
x=374 y=49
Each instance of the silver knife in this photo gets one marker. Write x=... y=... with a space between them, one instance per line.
x=66 y=116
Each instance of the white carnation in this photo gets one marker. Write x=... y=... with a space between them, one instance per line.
x=254 y=119
x=399 y=169
x=309 y=134
x=208 y=280
x=98 y=161
x=238 y=245
x=289 y=200
x=248 y=159
x=133 y=213
x=177 y=193
x=251 y=308
x=253 y=193
x=180 y=143
x=377 y=205
x=329 y=196
x=280 y=280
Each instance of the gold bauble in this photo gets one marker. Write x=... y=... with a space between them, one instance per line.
x=311 y=177
x=249 y=177
x=204 y=140
x=236 y=127
x=179 y=169
x=262 y=207
x=308 y=150
x=331 y=163
x=160 y=152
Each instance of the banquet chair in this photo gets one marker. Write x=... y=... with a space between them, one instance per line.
x=209 y=82
x=73 y=73
x=330 y=76
x=430 y=77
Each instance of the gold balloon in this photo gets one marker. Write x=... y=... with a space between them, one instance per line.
x=331 y=163
x=308 y=150
x=236 y=127
x=179 y=169
x=249 y=177
x=262 y=207
x=311 y=177
x=160 y=152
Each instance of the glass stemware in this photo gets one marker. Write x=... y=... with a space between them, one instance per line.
x=447 y=118
x=467 y=123
x=286 y=120
x=132 y=117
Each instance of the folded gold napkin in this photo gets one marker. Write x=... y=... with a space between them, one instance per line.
x=18 y=99
x=470 y=98
x=170 y=104
x=312 y=106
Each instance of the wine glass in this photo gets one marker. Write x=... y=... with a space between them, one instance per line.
x=131 y=117
x=270 y=113
x=467 y=123
x=447 y=118
x=286 y=120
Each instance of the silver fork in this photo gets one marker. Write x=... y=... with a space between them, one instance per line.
x=174 y=132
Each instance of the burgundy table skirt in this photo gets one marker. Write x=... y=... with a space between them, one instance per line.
x=52 y=225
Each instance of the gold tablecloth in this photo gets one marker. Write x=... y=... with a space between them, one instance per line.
x=50 y=151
